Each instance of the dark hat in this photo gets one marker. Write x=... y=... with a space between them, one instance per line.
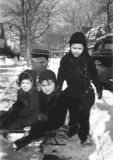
x=78 y=37
x=47 y=75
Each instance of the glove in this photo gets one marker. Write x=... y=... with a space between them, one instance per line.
x=99 y=94
x=42 y=117
x=10 y=110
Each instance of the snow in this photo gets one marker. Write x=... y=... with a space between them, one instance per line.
x=6 y=61
x=101 y=118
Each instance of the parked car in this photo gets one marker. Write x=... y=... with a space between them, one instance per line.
x=90 y=49
x=102 y=52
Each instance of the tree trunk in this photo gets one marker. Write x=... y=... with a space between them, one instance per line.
x=108 y=18
x=28 y=49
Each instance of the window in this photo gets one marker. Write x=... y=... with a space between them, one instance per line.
x=98 y=46
x=108 y=46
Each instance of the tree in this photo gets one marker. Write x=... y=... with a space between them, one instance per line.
x=71 y=16
x=29 y=20
x=89 y=10
x=79 y=14
x=106 y=13
x=55 y=39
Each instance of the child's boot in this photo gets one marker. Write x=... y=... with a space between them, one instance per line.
x=18 y=144
x=73 y=130
x=86 y=141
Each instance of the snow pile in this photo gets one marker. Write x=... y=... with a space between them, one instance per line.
x=101 y=127
x=54 y=64
x=6 y=61
x=9 y=61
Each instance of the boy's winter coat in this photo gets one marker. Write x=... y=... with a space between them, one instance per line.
x=49 y=106
x=78 y=72
x=24 y=111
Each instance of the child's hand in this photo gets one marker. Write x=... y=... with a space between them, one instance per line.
x=42 y=117
x=99 y=94
x=10 y=110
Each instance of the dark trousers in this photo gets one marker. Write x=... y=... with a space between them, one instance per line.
x=6 y=119
x=37 y=131
x=84 y=124
x=9 y=121
x=78 y=113
x=73 y=106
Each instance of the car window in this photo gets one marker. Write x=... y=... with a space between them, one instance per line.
x=108 y=46
x=98 y=46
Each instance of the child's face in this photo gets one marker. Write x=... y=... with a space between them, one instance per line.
x=77 y=49
x=41 y=61
x=47 y=86
x=26 y=85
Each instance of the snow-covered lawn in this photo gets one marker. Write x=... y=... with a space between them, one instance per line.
x=101 y=118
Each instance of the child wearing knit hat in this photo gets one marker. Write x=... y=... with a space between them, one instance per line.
x=50 y=116
x=78 y=69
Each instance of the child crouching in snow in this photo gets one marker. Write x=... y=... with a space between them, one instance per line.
x=51 y=117
x=23 y=112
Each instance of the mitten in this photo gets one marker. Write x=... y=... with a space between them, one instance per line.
x=42 y=117
x=99 y=94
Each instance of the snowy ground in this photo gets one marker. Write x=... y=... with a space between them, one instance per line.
x=101 y=121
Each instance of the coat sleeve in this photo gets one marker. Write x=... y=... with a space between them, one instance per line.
x=16 y=109
x=46 y=106
x=51 y=105
x=95 y=76
x=60 y=75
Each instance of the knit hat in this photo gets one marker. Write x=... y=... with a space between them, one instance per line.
x=78 y=37
x=47 y=75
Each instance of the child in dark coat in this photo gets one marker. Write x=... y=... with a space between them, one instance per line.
x=79 y=70
x=23 y=112
x=50 y=116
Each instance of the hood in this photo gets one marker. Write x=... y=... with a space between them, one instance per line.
x=32 y=75
x=79 y=37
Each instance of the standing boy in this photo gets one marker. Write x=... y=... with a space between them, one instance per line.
x=78 y=69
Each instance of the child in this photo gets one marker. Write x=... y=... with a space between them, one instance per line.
x=23 y=113
x=50 y=117
x=78 y=69
x=40 y=59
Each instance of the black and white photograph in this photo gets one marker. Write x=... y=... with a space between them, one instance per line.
x=56 y=79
